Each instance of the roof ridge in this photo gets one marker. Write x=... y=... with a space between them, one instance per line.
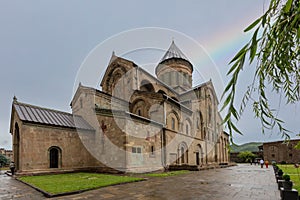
x=40 y=107
x=46 y=116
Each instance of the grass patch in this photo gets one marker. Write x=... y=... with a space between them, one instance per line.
x=292 y=171
x=62 y=183
x=165 y=174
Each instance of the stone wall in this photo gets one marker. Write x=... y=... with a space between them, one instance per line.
x=36 y=141
x=280 y=151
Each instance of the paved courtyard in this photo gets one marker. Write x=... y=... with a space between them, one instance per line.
x=239 y=182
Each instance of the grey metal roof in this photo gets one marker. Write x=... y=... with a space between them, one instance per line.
x=35 y=114
x=173 y=52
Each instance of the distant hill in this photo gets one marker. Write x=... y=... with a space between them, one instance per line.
x=251 y=146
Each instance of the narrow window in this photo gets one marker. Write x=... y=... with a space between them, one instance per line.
x=209 y=115
x=173 y=123
x=152 y=150
x=81 y=104
x=187 y=129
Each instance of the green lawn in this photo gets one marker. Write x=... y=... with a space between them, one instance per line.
x=292 y=171
x=164 y=174
x=61 y=183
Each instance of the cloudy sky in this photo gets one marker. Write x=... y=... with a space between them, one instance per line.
x=44 y=43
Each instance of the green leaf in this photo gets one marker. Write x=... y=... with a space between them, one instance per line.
x=241 y=52
x=288 y=6
x=226 y=118
x=230 y=84
x=234 y=112
x=236 y=129
x=252 y=25
x=253 y=47
x=298 y=32
x=234 y=66
x=226 y=102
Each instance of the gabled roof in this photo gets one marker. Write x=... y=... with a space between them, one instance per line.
x=202 y=85
x=173 y=52
x=39 y=115
x=113 y=59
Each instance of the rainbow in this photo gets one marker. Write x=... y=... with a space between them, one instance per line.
x=221 y=47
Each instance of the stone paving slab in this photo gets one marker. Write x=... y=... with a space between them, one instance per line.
x=239 y=182
x=13 y=189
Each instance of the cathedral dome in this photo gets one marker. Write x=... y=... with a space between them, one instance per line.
x=175 y=69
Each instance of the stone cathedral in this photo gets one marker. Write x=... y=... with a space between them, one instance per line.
x=136 y=122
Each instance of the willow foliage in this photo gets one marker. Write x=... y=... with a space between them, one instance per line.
x=275 y=45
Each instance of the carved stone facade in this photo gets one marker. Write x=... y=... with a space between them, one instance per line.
x=139 y=122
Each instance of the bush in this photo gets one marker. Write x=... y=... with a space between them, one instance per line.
x=286 y=177
x=283 y=162
x=3 y=160
x=246 y=156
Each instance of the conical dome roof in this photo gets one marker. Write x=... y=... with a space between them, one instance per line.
x=173 y=52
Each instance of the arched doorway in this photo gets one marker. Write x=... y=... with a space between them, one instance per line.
x=16 y=146
x=54 y=157
x=183 y=153
x=199 y=155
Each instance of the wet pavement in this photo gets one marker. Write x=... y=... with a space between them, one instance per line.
x=13 y=189
x=240 y=182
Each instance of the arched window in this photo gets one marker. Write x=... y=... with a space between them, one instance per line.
x=187 y=129
x=139 y=107
x=115 y=81
x=54 y=157
x=209 y=110
x=139 y=112
x=200 y=124
x=172 y=121
x=146 y=86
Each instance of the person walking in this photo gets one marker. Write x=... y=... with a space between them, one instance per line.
x=261 y=163
x=12 y=167
x=267 y=163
